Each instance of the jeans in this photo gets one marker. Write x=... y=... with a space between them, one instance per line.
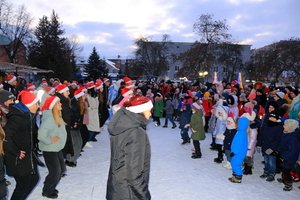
x=53 y=163
x=184 y=134
x=227 y=154
x=270 y=165
x=92 y=135
x=169 y=117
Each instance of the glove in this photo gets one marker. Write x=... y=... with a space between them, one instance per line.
x=232 y=154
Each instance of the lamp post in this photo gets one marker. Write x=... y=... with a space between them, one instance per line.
x=202 y=75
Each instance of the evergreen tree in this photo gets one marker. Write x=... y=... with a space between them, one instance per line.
x=96 y=67
x=50 y=50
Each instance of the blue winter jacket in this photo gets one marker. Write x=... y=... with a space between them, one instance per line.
x=239 y=144
x=289 y=149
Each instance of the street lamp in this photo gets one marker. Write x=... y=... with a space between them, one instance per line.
x=203 y=74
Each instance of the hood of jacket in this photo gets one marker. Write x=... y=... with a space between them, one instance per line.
x=243 y=124
x=124 y=120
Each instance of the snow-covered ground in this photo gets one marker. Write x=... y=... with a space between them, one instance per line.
x=174 y=175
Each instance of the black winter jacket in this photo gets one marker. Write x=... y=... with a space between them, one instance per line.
x=19 y=137
x=128 y=177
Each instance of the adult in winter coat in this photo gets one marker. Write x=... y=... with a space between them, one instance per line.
x=239 y=150
x=94 y=124
x=19 y=154
x=128 y=177
x=62 y=92
x=52 y=137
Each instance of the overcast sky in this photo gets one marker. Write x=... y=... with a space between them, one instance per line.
x=113 y=25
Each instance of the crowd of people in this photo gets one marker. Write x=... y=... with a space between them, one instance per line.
x=59 y=119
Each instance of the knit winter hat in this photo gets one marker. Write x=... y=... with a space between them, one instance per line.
x=28 y=98
x=280 y=94
x=10 y=78
x=196 y=106
x=249 y=113
x=230 y=123
x=138 y=104
x=62 y=88
x=5 y=95
x=50 y=102
x=251 y=96
x=78 y=93
x=291 y=124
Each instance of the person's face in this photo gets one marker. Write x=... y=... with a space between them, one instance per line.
x=66 y=94
x=8 y=102
x=271 y=108
x=147 y=114
x=292 y=94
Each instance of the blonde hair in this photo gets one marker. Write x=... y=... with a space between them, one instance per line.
x=2 y=138
x=57 y=116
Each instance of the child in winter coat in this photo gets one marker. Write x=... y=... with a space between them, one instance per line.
x=221 y=113
x=239 y=150
x=169 y=110
x=158 y=109
x=289 y=151
x=271 y=135
x=184 y=123
x=252 y=136
x=229 y=135
x=197 y=128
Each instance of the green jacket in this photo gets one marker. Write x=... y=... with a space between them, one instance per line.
x=197 y=126
x=48 y=130
x=158 y=108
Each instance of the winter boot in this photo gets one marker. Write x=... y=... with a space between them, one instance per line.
x=195 y=156
x=247 y=170
x=213 y=145
x=218 y=160
x=287 y=188
x=235 y=179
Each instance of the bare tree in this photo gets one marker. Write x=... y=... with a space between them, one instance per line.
x=210 y=30
x=15 y=24
x=152 y=56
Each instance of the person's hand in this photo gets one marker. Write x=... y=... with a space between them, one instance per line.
x=54 y=139
x=187 y=125
x=22 y=155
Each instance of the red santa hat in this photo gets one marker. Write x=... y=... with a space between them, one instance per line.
x=126 y=92
x=78 y=93
x=10 y=78
x=105 y=80
x=82 y=88
x=138 y=104
x=61 y=88
x=44 y=83
x=50 y=102
x=129 y=83
x=90 y=85
x=50 y=90
x=28 y=98
x=99 y=85
x=249 y=113
x=30 y=86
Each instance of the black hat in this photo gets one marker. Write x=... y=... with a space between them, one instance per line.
x=5 y=95
x=275 y=115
